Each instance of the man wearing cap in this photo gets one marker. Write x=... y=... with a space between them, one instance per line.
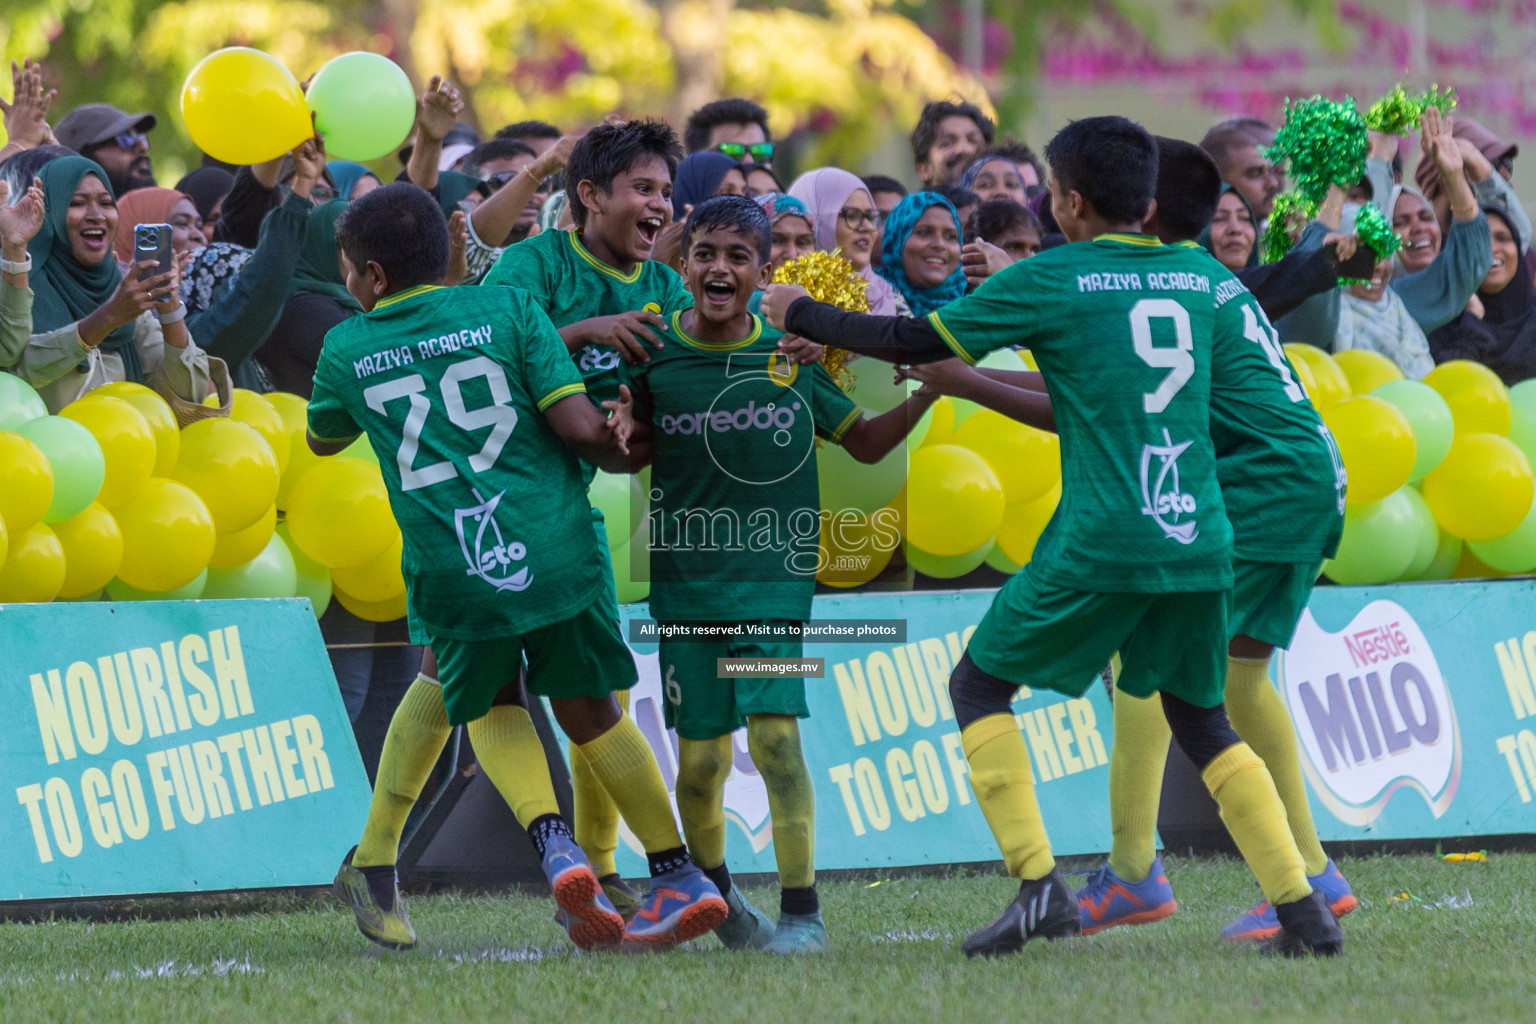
x=117 y=141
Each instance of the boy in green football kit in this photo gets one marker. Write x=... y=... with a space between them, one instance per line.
x=476 y=396
x=735 y=546
x=1137 y=558
x=610 y=303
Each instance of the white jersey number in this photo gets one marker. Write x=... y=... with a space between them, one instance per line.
x=1257 y=329
x=1178 y=361
x=499 y=416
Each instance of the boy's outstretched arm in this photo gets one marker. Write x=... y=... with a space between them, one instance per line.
x=870 y=440
x=1013 y=397
x=895 y=339
x=601 y=440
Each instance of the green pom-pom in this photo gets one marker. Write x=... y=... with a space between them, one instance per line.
x=1373 y=229
x=1290 y=210
x=1445 y=102
x=1398 y=113
x=1325 y=143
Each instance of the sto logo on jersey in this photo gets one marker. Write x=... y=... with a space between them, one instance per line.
x=490 y=557
x=1161 y=497
x=1372 y=712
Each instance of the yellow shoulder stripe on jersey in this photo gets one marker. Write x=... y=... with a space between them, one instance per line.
x=1189 y=243
x=950 y=339
x=705 y=346
x=559 y=393
x=390 y=300
x=854 y=415
x=601 y=267
x=1143 y=240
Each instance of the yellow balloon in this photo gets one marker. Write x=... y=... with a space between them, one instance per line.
x=373 y=611
x=1478 y=399
x=127 y=444
x=26 y=483
x=1022 y=526
x=254 y=411
x=93 y=551
x=338 y=513
x=1329 y=383
x=378 y=579
x=293 y=409
x=1366 y=370
x=168 y=537
x=855 y=547
x=1029 y=360
x=1027 y=461
x=232 y=550
x=162 y=422
x=954 y=500
x=231 y=468
x=1304 y=374
x=1483 y=488
x=243 y=106
x=300 y=461
x=936 y=426
x=1377 y=444
x=5 y=543
x=34 y=568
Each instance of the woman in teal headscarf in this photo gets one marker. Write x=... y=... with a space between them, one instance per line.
x=1232 y=236
x=91 y=324
x=317 y=301
x=920 y=252
x=352 y=180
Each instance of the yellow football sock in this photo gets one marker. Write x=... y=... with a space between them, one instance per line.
x=596 y=818
x=623 y=764
x=1254 y=815
x=411 y=747
x=702 y=768
x=1136 y=783
x=1260 y=719
x=774 y=742
x=1005 y=789
x=508 y=749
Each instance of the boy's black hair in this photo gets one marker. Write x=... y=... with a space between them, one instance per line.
x=733 y=110
x=1019 y=153
x=400 y=227
x=1109 y=161
x=609 y=150
x=958 y=197
x=495 y=149
x=927 y=131
x=528 y=130
x=882 y=183
x=996 y=217
x=1188 y=189
x=740 y=214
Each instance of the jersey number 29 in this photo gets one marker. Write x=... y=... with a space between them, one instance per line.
x=499 y=416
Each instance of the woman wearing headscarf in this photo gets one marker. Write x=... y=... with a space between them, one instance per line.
x=92 y=324
x=995 y=177
x=844 y=216
x=793 y=233
x=157 y=206
x=920 y=253
x=352 y=180
x=317 y=301
x=703 y=175
x=1503 y=335
x=1233 y=234
x=207 y=186
x=1482 y=152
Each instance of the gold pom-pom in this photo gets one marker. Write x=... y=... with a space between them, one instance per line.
x=829 y=277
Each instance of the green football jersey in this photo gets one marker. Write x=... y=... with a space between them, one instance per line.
x=571 y=285
x=1281 y=474
x=735 y=522
x=450 y=385
x=1121 y=328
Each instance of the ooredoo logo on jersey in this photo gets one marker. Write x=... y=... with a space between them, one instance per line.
x=1372 y=712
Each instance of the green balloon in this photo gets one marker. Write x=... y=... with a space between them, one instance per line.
x=847 y=483
x=1428 y=533
x=78 y=465
x=1379 y=542
x=364 y=106
x=361 y=449
x=619 y=497
x=946 y=567
x=1515 y=552
x=875 y=386
x=18 y=402
x=1430 y=418
x=117 y=590
x=1447 y=558
x=269 y=574
x=87 y=599
x=998 y=559
x=1522 y=417
x=311 y=579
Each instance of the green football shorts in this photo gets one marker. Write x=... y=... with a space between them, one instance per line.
x=702 y=706
x=1268 y=599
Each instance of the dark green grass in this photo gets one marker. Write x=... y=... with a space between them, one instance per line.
x=1464 y=953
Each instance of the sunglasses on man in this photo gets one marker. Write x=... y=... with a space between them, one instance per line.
x=128 y=140
x=762 y=152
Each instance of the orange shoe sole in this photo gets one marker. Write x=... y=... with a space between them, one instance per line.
x=1157 y=913
x=589 y=926
x=700 y=919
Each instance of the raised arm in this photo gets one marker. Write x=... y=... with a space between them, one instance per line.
x=437 y=108
x=895 y=339
x=495 y=218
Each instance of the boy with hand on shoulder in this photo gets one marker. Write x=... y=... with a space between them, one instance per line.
x=735 y=544
x=475 y=395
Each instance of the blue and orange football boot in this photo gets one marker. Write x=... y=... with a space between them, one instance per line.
x=1261 y=923
x=585 y=911
x=1109 y=900
x=682 y=904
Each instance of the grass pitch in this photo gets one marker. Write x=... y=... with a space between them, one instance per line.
x=1460 y=949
